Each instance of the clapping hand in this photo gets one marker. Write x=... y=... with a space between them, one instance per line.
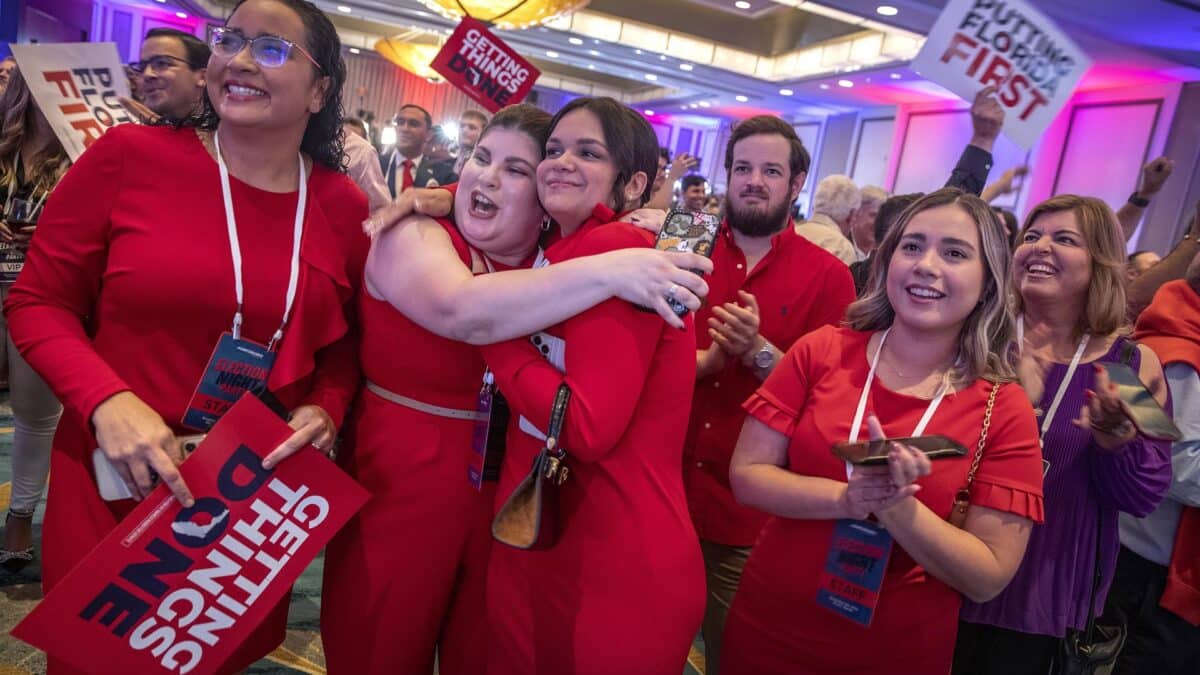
x=1104 y=413
x=872 y=489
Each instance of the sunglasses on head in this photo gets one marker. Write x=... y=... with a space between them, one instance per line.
x=267 y=51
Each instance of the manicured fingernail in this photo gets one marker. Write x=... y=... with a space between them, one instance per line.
x=1089 y=394
x=266 y=464
x=1097 y=368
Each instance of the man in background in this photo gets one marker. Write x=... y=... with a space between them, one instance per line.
x=171 y=76
x=405 y=164
x=694 y=191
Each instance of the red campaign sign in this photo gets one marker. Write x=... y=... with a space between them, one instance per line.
x=483 y=67
x=178 y=590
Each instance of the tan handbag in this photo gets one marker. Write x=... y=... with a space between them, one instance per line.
x=962 y=499
x=529 y=517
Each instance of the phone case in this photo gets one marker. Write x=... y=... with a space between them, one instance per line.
x=870 y=453
x=688 y=232
x=1141 y=408
x=108 y=481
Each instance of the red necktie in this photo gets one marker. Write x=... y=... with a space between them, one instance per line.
x=406 y=179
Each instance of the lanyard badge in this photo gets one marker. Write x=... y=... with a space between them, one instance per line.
x=238 y=365
x=858 y=556
x=487 y=438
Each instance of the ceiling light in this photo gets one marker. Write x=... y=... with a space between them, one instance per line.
x=845 y=83
x=344 y=9
x=575 y=41
x=162 y=1
x=355 y=50
x=896 y=76
x=741 y=99
x=637 y=51
x=786 y=92
x=742 y=4
x=824 y=86
x=182 y=15
x=651 y=76
x=886 y=10
x=593 y=52
x=591 y=66
x=648 y=112
x=686 y=66
x=553 y=55
x=704 y=104
x=662 y=57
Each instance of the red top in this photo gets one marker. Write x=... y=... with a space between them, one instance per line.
x=401 y=356
x=811 y=397
x=130 y=282
x=626 y=572
x=799 y=287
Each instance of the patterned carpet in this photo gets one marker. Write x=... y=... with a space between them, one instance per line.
x=300 y=653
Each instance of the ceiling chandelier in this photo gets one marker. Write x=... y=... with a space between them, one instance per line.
x=505 y=14
x=411 y=56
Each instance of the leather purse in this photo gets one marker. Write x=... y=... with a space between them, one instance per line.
x=962 y=499
x=529 y=517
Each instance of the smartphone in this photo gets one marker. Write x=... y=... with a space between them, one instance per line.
x=108 y=480
x=689 y=232
x=874 y=453
x=1141 y=408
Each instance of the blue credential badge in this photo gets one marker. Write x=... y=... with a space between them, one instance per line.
x=854 y=569
x=236 y=366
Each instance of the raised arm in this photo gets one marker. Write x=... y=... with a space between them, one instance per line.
x=1150 y=181
x=415 y=268
x=1142 y=289
x=987 y=118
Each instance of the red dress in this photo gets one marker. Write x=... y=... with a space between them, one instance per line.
x=406 y=575
x=775 y=624
x=622 y=591
x=130 y=284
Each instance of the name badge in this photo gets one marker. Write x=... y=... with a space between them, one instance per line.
x=487 y=439
x=858 y=556
x=12 y=261
x=236 y=366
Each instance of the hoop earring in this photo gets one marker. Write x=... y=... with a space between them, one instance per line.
x=545 y=223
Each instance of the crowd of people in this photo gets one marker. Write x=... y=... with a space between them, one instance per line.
x=704 y=497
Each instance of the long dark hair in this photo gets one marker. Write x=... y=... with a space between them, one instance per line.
x=18 y=113
x=632 y=143
x=323 y=137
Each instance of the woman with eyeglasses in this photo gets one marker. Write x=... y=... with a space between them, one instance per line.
x=162 y=243
x=32 y=161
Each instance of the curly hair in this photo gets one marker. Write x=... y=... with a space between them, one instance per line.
x=323 y=137
x=17 y=119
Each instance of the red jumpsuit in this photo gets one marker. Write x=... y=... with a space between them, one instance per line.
x=406 y=575
x=622 y=591
x=775 y=626
x=129 y=284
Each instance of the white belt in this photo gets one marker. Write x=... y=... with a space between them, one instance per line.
x=421 y=406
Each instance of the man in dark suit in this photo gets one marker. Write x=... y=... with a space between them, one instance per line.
x=404 y=165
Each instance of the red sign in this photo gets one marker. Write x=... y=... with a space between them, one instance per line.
x=178 y=590
x=483 y=67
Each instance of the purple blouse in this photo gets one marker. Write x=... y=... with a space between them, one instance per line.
x=1083 y=482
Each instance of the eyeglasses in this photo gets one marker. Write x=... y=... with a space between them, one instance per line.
x=158 y=63
x=268 y=51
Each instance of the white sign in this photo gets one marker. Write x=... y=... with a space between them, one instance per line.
x=1011 y=45
x=76 y=85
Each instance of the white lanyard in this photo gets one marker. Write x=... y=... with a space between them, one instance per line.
x=1062 y=386
x=862 y=402
x=236 y=250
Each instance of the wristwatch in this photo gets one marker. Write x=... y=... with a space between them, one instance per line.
x=1140 y=202
x=764 y=358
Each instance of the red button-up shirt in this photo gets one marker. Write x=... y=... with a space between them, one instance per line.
x=799 y=287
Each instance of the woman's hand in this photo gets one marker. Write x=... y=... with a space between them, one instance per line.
x=433 y=202
x=650 y=220
x=139 y=445
x=139 y=110
x=6 y=233
x=313 y=427
x=873 y=489
x=1104 y=413
x=23 y=237
x=647 y=277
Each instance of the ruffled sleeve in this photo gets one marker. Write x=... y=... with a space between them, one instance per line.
x=318 y=361
x=762 y=407
x=1010 y=472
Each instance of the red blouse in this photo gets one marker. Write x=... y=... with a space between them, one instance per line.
x=129 y=282
x=810 y=397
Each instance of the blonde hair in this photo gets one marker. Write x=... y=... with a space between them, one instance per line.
x=1104 y=309
x=986 y=339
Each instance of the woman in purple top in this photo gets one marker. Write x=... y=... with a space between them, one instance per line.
x=1068 y=275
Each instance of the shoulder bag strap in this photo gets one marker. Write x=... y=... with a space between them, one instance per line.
x=958 y=512
x=557 y=414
